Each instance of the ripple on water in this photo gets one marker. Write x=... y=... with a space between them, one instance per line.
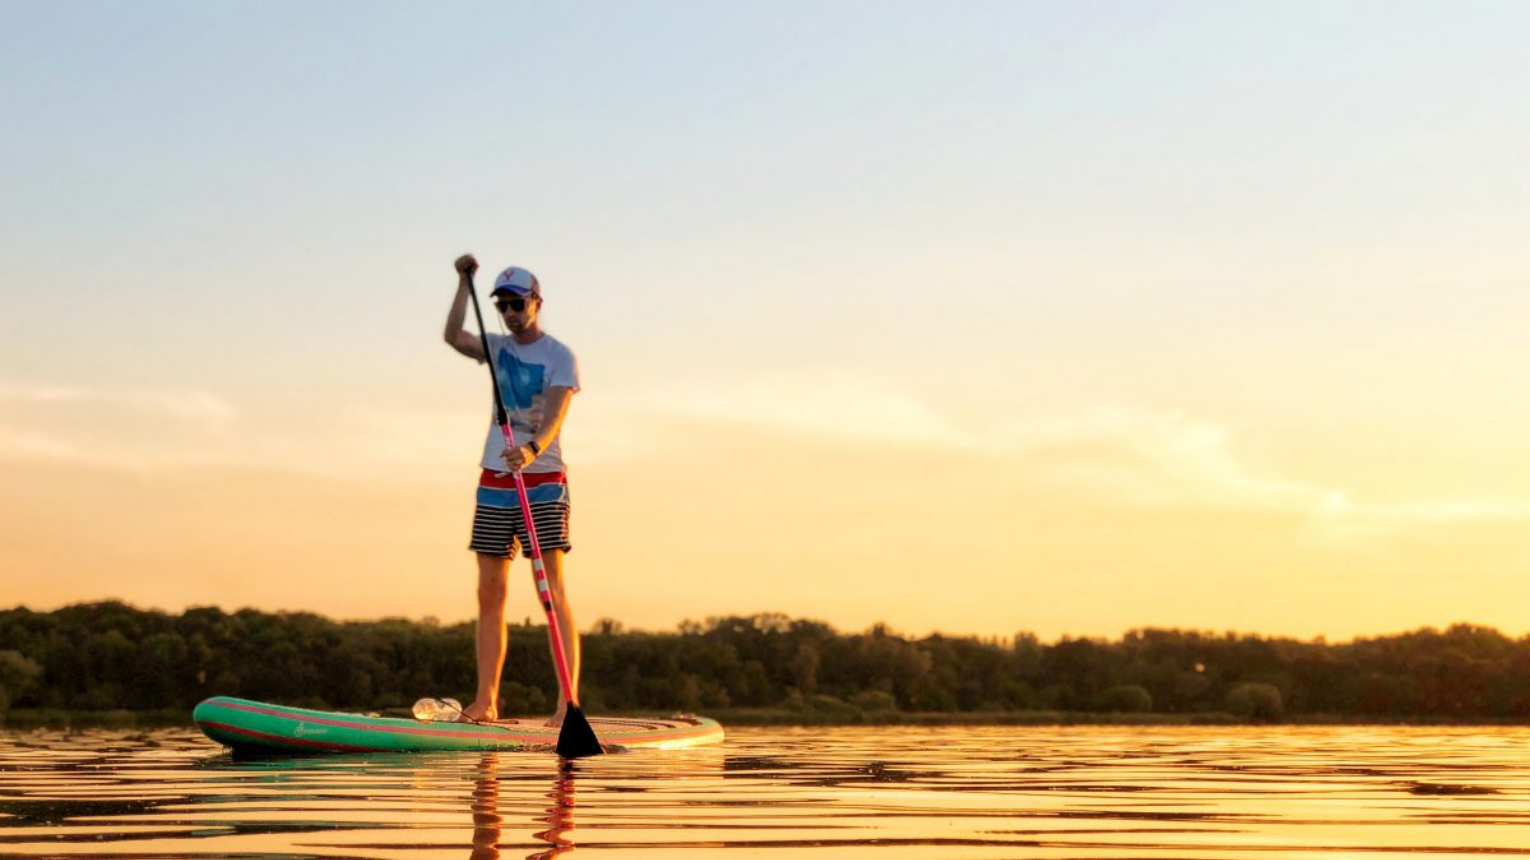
x=951 y=792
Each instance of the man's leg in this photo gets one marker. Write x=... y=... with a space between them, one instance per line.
x=492 y=642
x=552 y=565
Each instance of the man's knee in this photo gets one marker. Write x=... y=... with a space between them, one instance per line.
x=490 y=593
x=552 y=566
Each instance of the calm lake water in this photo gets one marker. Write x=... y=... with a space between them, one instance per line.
x=1076 y=792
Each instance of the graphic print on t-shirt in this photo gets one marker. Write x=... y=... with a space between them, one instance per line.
x=518 y=382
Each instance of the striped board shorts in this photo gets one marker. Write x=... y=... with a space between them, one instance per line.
x=498 y=527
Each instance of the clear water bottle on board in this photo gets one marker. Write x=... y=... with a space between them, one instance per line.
x=438 y=710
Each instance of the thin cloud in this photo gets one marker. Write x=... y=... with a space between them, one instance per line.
x=1153 y=458
x=26 y=445
x=133 y=430
x=10 y=393
x=190 y=404
x=1341 y=517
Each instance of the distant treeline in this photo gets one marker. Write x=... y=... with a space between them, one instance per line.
x=106 y=656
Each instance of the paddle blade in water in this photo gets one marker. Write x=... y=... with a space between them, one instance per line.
x=577 y=739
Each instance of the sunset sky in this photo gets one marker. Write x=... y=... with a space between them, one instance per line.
x=1065 y=317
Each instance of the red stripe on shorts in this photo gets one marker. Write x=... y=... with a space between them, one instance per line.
x=506 y=480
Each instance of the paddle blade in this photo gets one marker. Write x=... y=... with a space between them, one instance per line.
x=577 y=739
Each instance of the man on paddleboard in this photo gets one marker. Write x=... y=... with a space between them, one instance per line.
x=537 y=376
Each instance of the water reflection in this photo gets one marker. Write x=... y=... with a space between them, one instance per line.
x=486 y=817
x=560 y=815
x=488 y=822
x=917 y=793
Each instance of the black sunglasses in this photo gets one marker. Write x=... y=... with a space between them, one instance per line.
x=515 y=304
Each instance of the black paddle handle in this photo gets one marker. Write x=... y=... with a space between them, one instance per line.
x=500 y=416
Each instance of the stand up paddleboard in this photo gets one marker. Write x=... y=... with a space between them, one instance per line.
x=257 y=727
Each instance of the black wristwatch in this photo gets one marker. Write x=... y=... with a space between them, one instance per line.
x=536 y=449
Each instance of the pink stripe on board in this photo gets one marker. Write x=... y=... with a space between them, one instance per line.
x=372 y=727
x=282 y=740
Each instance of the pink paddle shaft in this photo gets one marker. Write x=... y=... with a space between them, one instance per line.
x=544 y=591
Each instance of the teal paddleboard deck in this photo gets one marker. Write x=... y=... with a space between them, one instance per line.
x=258 y=727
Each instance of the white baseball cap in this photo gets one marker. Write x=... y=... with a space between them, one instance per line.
x=516 y=280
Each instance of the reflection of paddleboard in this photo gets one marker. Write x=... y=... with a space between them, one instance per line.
x=258 y=727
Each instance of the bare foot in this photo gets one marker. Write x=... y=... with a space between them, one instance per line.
x=480 y=713
x=556 y=720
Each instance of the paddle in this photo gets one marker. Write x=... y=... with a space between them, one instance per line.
x=576 y=739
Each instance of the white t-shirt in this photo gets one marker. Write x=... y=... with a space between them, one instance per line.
x=525 y=372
